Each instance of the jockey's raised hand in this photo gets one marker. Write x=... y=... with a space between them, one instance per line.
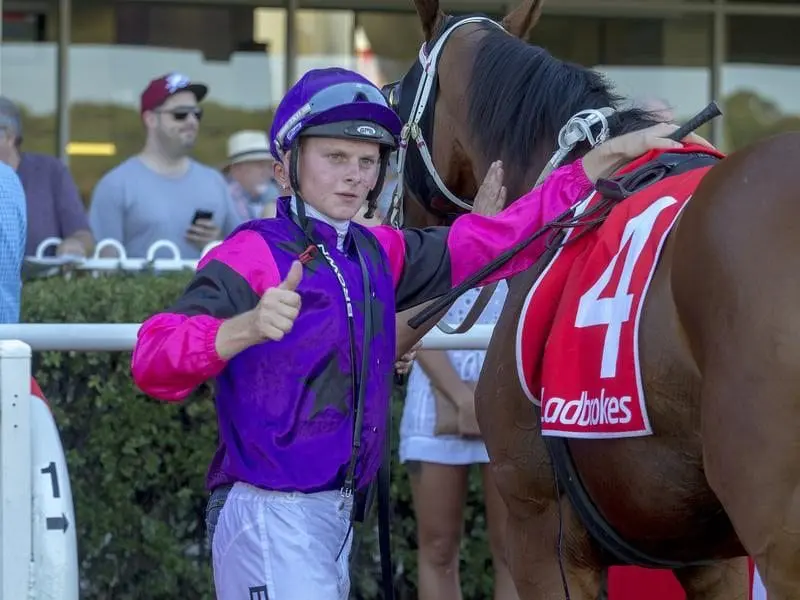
x=271 y=319
x=612 y=154
x=491 y=196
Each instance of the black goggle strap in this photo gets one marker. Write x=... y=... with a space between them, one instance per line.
x=294 y=179
x=372 y=197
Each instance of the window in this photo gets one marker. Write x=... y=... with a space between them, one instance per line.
x=20 y=26
x=28 y=74
x=659 y=62
x=119 y=47
x=387 y=44
x=761 y=78
x=324 y=39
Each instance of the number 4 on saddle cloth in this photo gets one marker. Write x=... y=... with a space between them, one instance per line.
x=577 y=340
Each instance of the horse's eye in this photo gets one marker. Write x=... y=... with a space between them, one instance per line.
x=391 y=92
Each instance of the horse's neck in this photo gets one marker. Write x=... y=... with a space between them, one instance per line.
x=415 y=214
x=519 y=184
x=541 y=161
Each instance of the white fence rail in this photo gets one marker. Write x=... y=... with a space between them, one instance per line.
x=105 y=337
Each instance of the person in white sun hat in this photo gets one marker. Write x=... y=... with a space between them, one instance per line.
x=248 y=170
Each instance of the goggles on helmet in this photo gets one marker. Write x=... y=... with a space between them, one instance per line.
x=331 y=97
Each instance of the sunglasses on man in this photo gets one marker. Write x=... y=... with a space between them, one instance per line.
x=182 y=113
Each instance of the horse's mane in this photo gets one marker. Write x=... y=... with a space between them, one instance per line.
x=521 y=97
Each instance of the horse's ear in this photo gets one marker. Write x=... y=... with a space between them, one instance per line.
x=523 y=18
x=430 y=15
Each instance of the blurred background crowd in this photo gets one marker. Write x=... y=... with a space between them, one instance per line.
x=161 y=192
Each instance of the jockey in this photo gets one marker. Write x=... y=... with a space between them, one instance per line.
x=294 y=319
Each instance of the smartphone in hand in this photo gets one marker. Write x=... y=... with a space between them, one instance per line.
x=202 y=214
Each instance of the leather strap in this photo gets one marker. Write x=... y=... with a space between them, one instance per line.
x=385 y=515
x=474 y=313
x=385 y=471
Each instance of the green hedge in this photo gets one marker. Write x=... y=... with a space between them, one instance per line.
x=137 y=465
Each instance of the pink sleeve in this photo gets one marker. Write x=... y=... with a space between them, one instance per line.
x=176 y=351
x=475 y=240
x=174 y=354
x=394 y=244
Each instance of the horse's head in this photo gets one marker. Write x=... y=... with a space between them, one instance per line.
x=441 y=168
x=478 y=93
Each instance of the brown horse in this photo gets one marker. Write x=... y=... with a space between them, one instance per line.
x=719 y=479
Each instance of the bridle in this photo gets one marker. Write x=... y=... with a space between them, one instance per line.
x=419 y=125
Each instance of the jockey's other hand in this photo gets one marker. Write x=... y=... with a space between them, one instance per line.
x=491 y=196
x=606 y=158
x=403 y=364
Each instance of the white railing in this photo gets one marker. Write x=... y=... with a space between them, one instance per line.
x=107 y=337
x=39 y=263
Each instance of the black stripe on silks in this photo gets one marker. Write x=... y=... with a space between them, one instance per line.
x=218 y=291
x=426 y=273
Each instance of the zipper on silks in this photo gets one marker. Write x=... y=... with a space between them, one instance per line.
x=348 y=487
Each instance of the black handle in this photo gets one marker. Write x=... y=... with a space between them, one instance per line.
x=711 y=111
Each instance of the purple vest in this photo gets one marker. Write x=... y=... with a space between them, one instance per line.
x=286 y=409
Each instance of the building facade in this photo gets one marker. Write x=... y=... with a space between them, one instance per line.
x=77 y=67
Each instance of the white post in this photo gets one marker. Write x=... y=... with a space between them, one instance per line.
x=15 y=462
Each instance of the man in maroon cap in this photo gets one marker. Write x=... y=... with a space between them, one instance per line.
x=162 y=193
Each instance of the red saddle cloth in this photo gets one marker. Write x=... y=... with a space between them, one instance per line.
x=566 y=347
x=578 y=336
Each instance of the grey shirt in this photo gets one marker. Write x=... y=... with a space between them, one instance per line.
x=137 y=206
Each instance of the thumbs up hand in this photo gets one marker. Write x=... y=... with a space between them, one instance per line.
x=293 y=277
x=278 y=308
